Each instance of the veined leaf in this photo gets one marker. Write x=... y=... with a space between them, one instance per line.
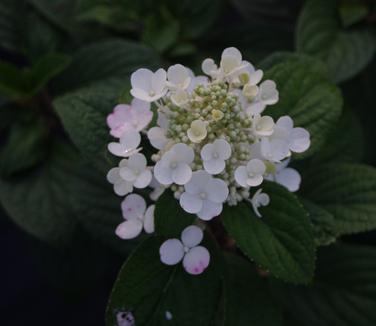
x=347 y=191
x=281 y=241
x=343 y=293
x=319 y=34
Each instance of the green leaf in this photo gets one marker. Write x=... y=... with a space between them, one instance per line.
x=319 y=33
x=343 y=293
x=347 y=191
x=149 y=289
x=196 y=17
x=12 y=13
x=40 y=202
x=323 y=223
x=98 y=208
x=83 y=114
x=281 y=241
x=103 y=61
x=247 y=297
x=25 y=147
x=17 y=83
x=161 y=31
x=170 y=218
x=345 y=143
x=305 y=95
x=352 y=13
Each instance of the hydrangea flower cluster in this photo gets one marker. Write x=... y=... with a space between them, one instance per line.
x=213 y=146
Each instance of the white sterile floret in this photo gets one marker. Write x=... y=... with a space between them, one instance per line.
x=195 y=258
x=285 y=176
x=178 y=77
x=250 y=175
x=204 y=195
x=214 y=156
x=259 y=199
x=157 y=137
x=147 y=85
x=262 y=126
x=127 y=144
x=197 y=132
x=231 y=61
x=267 y=95
x=274 y=150
x=137 y=217
x=121 y=186
x=136 y=172
x=129 y=117
x=298 y=139
x=174 y=166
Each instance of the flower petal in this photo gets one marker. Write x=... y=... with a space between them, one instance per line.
x=190 y=203
x=149 y=219
x=171 y=251
x=113 y=175
x=162 y=173
x=123 y=188
x=192 y=236
x=181 y=174
x=217 y=190
x=129 y=229
x=144 y=179
x=241 y=176
x=214 y=166
x=196 y=260
x=299 y=140
x=209 y=210
x=157 y=137
x=130 y=140
x=133 y=207
x=183 y=153
x=223 y=148
x=289 y=178
x=198 y=182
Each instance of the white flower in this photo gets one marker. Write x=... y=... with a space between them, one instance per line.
x=136 y=216
x=148 y=86
x=274 y=150
x=287 y=177
x=297 y=138
x=121 y=186
x=197 y=80
x=197 y=132
x=158 y=189
x=157 y=137
x=178 y=77
x=259 y=199
x=174 y=165
x=127 y=145
x=195 y=258
x=204 y=195
x=129 y=117
x=231 y=61
x=214 y=156
x=135 y=171
x=250 y=175
x=262 y=126
x=267 y=95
